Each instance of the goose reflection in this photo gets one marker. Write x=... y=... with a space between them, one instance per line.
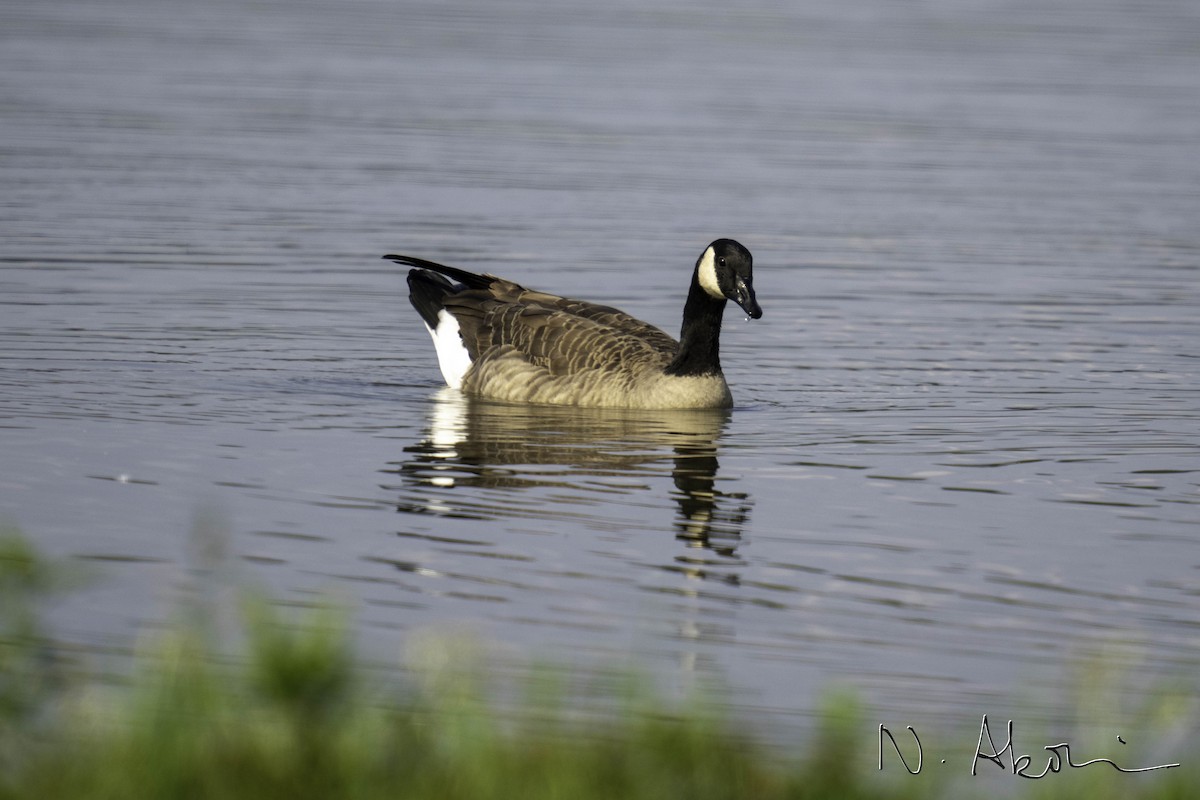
x=489 y=461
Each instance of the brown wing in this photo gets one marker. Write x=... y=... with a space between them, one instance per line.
x=563 y=336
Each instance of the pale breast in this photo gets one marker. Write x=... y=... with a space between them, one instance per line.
x=508 y=376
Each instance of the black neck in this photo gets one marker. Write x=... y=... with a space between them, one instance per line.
x=699 y=341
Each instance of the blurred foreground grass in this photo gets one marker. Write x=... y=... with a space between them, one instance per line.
x=297 y=717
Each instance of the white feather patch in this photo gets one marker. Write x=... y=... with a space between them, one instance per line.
x=453 y=357
x=706 y=271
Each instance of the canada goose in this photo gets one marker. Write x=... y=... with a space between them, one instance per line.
x=498 y=340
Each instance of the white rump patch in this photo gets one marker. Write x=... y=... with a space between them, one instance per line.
x=452 y=354
x=706 y=271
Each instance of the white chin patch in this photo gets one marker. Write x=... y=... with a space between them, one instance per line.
x=452 y=355
x=706 y=272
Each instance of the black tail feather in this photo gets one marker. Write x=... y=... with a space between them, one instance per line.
x=427 y=292
x=468 y=279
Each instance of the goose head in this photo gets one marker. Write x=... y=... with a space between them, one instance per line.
x=725 y=270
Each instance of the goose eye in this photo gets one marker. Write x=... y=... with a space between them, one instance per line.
x=722 y=262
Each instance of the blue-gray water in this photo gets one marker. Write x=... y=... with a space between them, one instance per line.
x=966 y=448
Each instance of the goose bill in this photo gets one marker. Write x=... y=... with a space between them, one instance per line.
x=744 y=297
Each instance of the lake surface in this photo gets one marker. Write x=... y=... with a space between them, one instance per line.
x=965 y=457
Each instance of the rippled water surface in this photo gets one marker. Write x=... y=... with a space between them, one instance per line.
x=966 y=447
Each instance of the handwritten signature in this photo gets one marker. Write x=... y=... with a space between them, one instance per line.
x=1059 y=755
